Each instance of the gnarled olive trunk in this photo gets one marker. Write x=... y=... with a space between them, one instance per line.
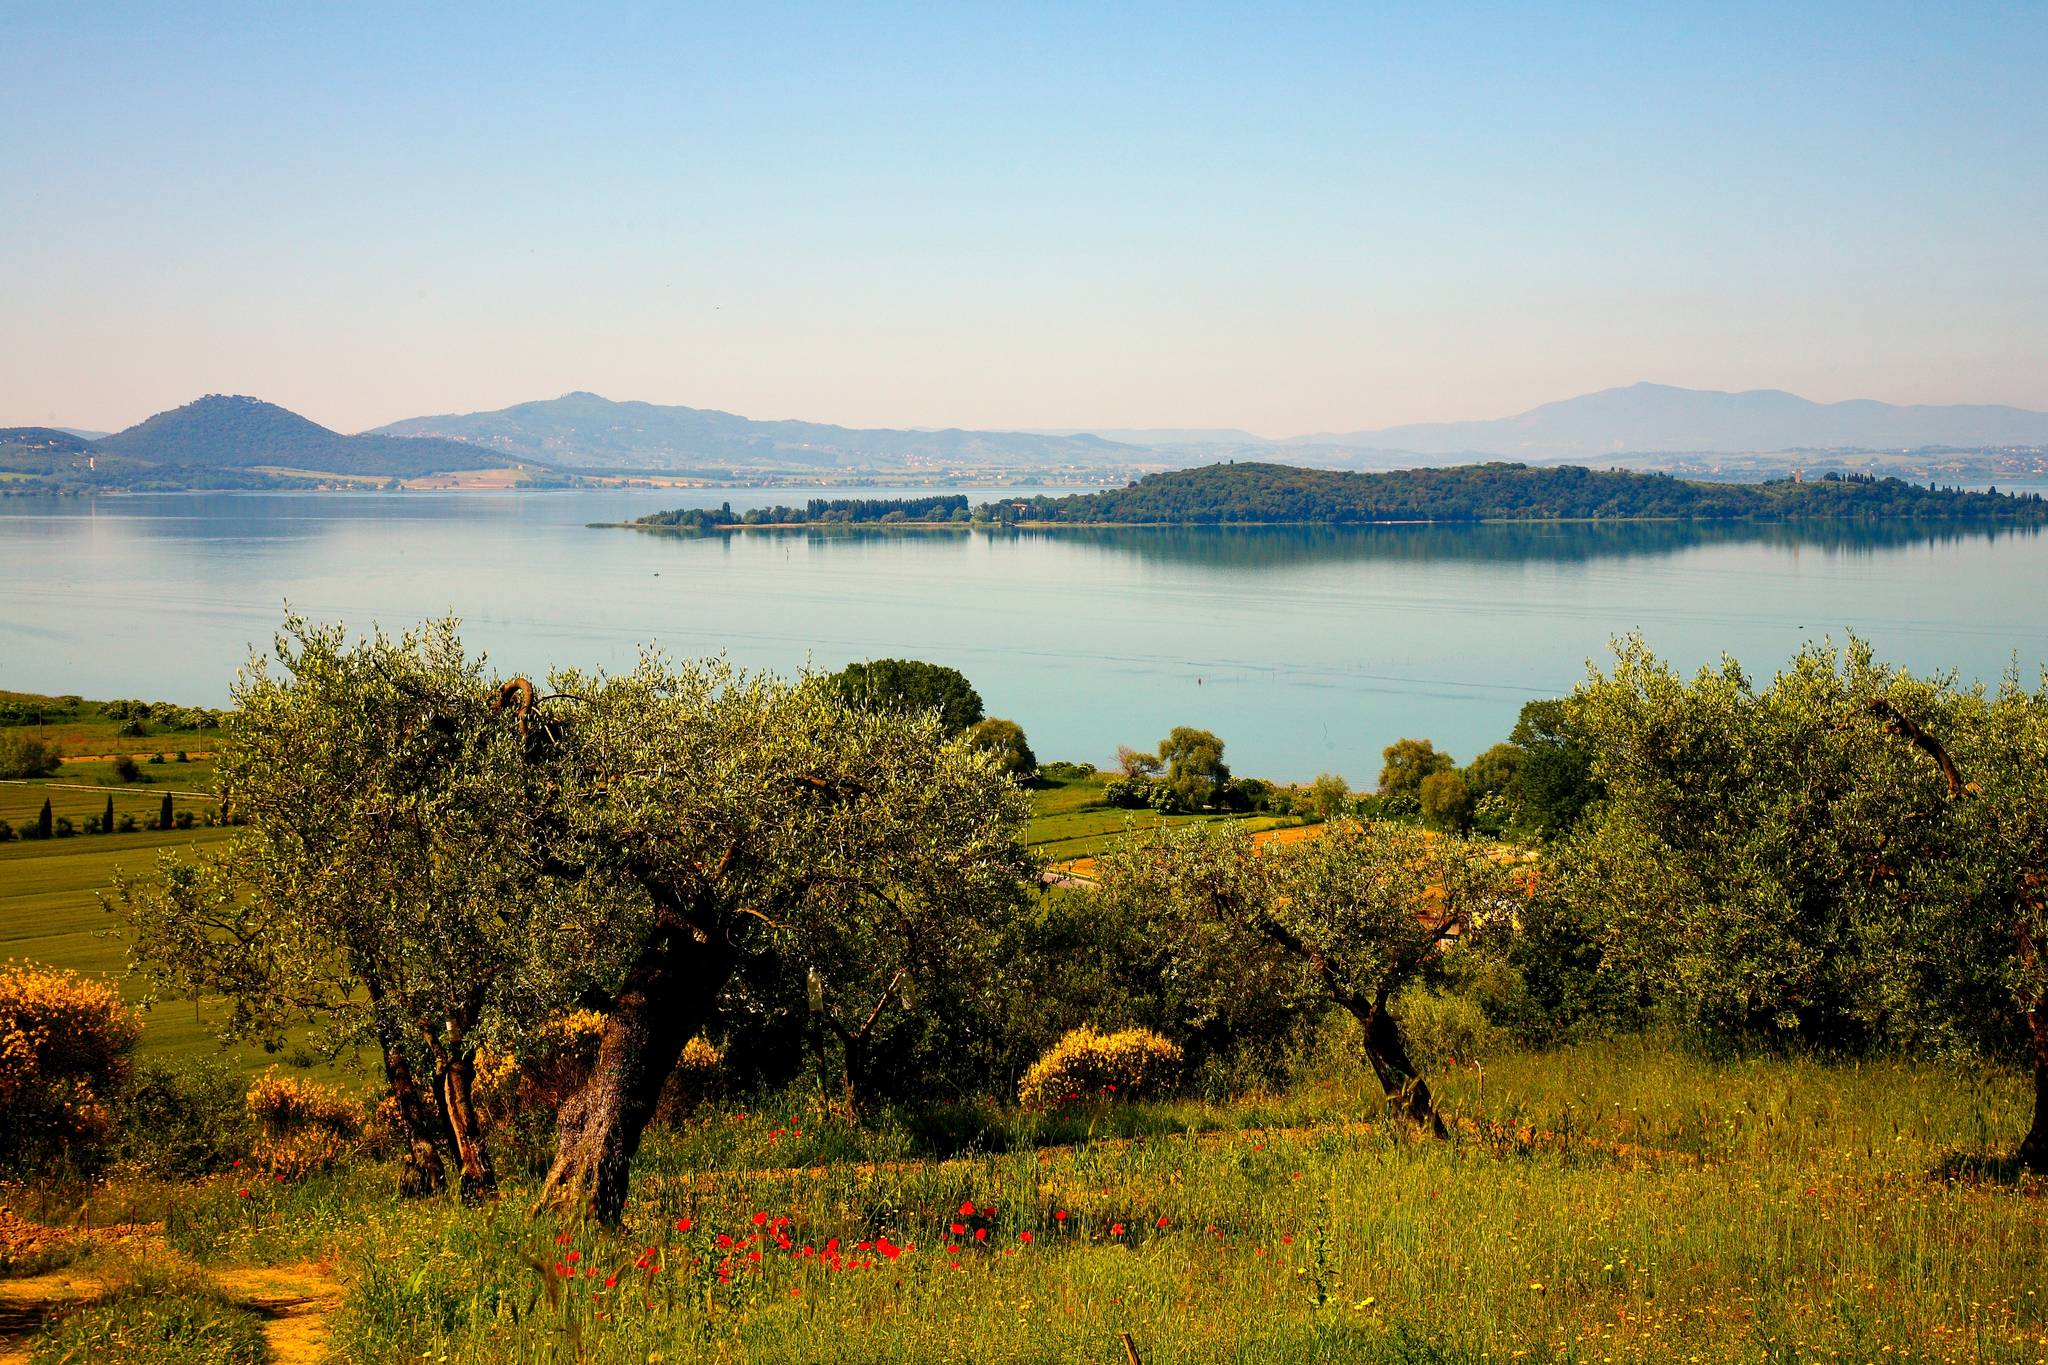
x=454 y=1084
x=1398 y=1075
x=667 y=997
x=421 y=1173
x=2033 y=1149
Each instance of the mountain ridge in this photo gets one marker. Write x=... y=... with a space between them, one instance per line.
x=581 y=429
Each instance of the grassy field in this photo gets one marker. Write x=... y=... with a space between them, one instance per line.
x=1612 y=1203
x=1070 y=820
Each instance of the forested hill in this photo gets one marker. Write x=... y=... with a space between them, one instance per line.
x=1274 y=493
x=232 y=432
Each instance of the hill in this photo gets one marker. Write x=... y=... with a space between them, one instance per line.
x=1645 y=418
x=584 y=430
x=234 y=432
x=1275 y=493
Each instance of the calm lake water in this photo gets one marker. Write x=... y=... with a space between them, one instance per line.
x=1306 y=649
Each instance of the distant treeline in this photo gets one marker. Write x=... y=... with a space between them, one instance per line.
x=1271 y=493
x=829 y=511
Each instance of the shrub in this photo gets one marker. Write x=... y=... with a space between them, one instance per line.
x=183 y=1120
x=1086 y=1063
x=6 y=831
x=1060 y=771
x=1444 y=1029
x=65 y=1042
x=127 y=769
x=301 y=1126
x=23 y=755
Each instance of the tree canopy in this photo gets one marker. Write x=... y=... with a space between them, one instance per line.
x=911 y=685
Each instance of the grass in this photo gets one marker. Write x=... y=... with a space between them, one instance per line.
x=155 y=1321
x=1613 y=1202
x=1070 y=819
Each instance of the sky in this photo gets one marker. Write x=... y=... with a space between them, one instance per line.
x=1281 y=218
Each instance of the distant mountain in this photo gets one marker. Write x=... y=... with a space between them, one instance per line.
x=587 y=431
x=83 y=434
x=47 y=440
x=223 y=432
x=1164 y=436
x=1644 y=418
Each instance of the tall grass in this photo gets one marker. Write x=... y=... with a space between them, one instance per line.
x=1615 y=1202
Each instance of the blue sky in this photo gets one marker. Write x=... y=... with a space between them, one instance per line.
x=1277 y=217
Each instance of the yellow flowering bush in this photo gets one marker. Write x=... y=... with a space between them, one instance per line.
x=65 y=1042
x=301 y=1126
x=1087 y=1063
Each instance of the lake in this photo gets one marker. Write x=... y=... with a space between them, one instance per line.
x=1306 y=649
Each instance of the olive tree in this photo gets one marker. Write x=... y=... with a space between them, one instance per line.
x=1851 y=856
x=1361 y=909
x=383 y=886
x=734 y=815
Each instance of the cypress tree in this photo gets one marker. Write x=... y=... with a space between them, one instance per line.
x=45 y=826
x=107 y=820
x=163 y=818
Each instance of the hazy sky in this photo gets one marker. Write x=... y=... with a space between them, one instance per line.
x=1283 y=218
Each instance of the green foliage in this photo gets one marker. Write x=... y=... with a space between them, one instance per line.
x=1784 y=863
x=1251 y=492
x=1446 y=802
x=825 y=511
x=182 y=1119
x=126 y=769
x=1407 y=763
x=1554 y=782
x=1329 y=796
x=1003 y=741
x=23 y=755
x=1195 y=771
x=908 y=685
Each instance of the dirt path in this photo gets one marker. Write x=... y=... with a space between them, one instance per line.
x=27 y=1302
x=294 y=1302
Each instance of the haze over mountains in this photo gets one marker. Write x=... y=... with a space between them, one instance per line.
x=582 y=430
x=1643 y=425
x=585 y=430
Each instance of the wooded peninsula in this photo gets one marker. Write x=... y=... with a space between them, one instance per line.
x=1272 y=494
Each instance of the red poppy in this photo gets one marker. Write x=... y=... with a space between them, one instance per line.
x=966 y=1208
x=573 y=1257
x=956 y=1228
x=1116 y=1229
x=1061 y=1216
x=1162 y=1221
x=952 y=1249
x=1025 y=1237
x=832 y=1246
x=888 y=1248
x=611 y=1282
x=685 y=1224
x=759 y=1219
x=981 y=1234
x=724 y=1240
